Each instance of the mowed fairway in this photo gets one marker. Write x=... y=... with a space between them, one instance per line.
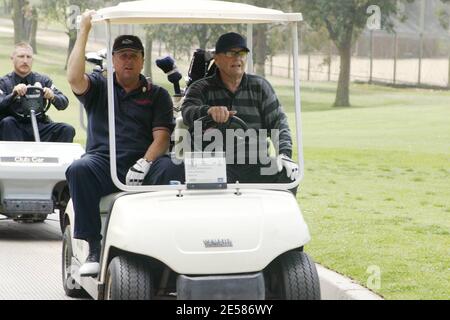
x=376 y=193
x=377 y=182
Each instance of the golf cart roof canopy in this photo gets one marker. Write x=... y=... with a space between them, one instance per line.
x=191 y=11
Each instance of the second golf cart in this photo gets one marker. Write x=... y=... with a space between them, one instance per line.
x=32 y=174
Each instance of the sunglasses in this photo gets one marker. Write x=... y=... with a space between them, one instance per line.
x=240 y=53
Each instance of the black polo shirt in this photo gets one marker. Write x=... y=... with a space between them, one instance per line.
x=138 y=114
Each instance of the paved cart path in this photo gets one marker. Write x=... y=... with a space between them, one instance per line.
x=30 y=260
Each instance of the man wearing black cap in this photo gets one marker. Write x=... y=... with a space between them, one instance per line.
x=233 y=92
x=144 y=122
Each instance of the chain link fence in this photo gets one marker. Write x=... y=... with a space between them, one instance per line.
x=416 y=53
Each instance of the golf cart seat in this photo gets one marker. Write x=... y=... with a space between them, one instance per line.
x=106 y=203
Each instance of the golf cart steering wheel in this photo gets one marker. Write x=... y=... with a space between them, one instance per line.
x=32 y=100
x=233 y=122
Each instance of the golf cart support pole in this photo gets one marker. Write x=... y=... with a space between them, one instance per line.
x=250 y=46
x=298 y=103
x=111 y=110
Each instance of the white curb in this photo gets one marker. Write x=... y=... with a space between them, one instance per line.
x=334 y=286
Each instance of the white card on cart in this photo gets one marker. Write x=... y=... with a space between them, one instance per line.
x=205 y=170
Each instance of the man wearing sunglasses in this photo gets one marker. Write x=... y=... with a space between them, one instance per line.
x=231 y=91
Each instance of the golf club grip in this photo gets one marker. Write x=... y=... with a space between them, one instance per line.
x=176 y=88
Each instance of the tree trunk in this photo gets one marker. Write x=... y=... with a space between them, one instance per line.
x=202 y=36
x=72 y=39
x=6 y=7
x=19 y=31
x=203 y=43
x=342 y=94
x=33 y=32
x=261 y=49
x=148 y=53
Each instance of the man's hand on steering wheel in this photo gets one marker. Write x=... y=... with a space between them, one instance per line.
x=20 y=90
x=48 y=94
x=220 y=114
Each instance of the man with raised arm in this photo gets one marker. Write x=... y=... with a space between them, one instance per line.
x=144 y=122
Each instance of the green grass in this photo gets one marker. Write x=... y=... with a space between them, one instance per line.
x=376 y=189
x=377 y=186
x=384 y=208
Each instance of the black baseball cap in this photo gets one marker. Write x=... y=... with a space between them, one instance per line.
x=231 y=40
x=129 y=42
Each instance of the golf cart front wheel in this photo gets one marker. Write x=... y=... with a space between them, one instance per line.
x=71 y=287
x=128 y=278
x=293 y=276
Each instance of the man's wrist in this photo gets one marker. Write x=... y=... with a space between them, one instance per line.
x=204 y=110
x=287 y=153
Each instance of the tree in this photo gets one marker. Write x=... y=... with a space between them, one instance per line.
x=18 y=20
x=25 y=19
x=261 y=32
x=7 y=6
x=207 y=35
x=344 y=21
x=65 y=12
x=33 y=29
x=443 y=14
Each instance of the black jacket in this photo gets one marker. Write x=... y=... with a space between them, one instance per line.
x=7 y=84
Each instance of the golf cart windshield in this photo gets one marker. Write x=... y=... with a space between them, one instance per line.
x=198 y=12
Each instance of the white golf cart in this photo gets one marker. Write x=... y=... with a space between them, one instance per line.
x=244 y=241
x=32 y=174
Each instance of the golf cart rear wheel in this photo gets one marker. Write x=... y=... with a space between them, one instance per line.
x=294 y=277
x=71 y=287
x=128 y=278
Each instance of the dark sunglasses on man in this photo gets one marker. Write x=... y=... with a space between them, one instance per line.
x=240 y=53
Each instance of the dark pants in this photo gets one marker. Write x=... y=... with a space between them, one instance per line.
x=12 y=129
x=89 y=180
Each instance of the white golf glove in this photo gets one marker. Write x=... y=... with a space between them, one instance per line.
x=283 y=161
x=137 y=173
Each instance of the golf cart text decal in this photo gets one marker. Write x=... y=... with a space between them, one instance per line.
x=29 y=159
x=219 y=243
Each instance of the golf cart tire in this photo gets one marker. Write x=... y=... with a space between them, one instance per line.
x=128 y=278
x=300 y=280
x=71 y=287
